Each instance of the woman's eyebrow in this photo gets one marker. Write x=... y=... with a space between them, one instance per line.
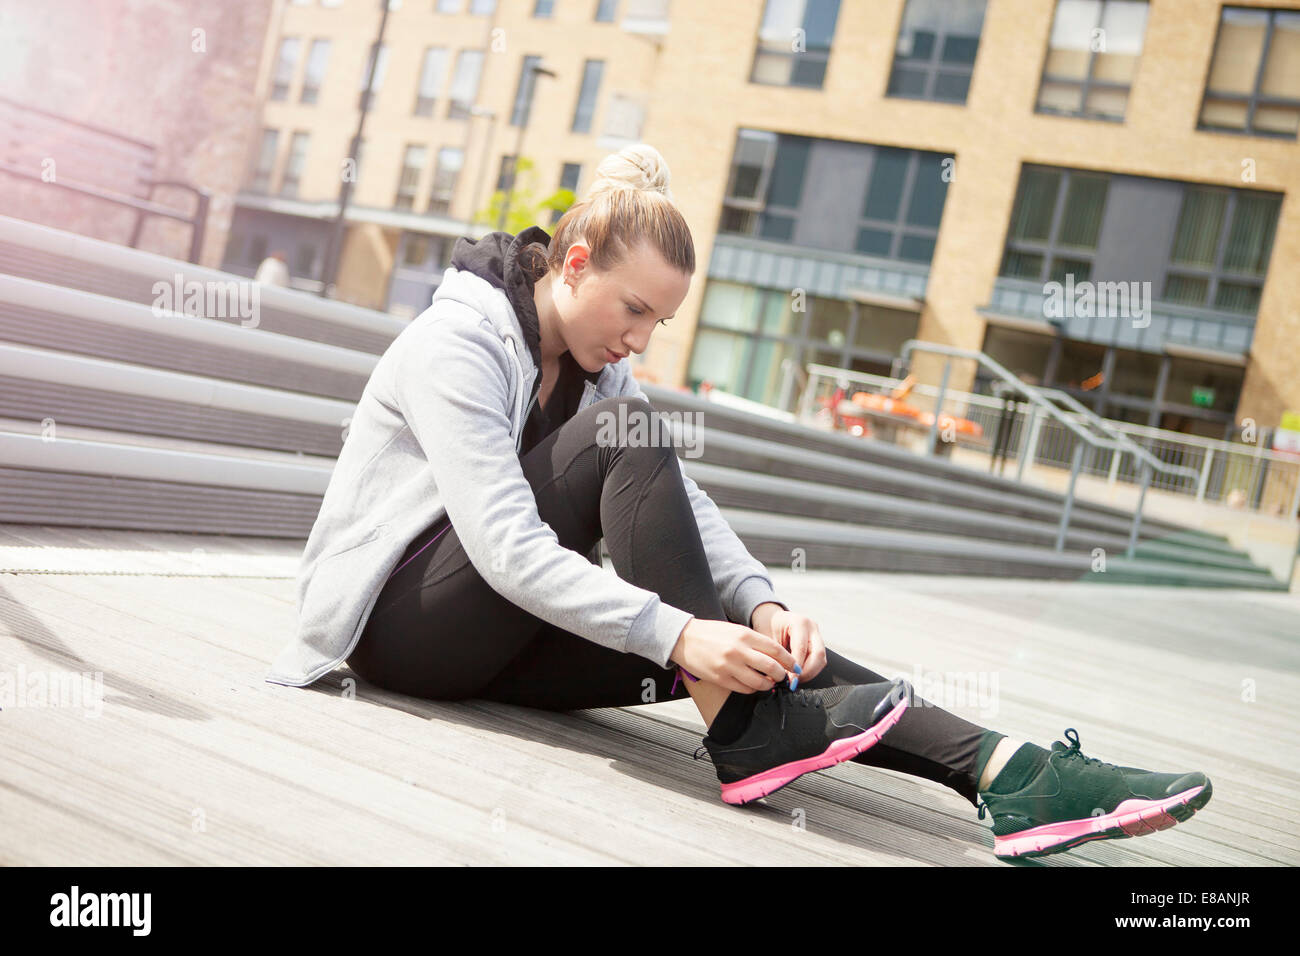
x=647 y=305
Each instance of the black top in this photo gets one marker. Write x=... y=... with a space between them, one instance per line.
x=560 y=407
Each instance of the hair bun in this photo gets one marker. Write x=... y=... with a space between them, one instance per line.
x=639 y=166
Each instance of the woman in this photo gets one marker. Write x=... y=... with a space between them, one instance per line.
x=455 y=553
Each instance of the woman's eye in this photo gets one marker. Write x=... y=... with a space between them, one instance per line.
x=663 y=321
x=634 y=311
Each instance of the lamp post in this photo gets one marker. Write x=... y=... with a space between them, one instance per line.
x=487 y=150
x=334 y=247
x=519 y=141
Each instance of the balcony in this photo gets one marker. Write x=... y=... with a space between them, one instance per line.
x=1149 y=329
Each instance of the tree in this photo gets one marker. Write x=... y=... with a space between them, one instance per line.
x=525 y=211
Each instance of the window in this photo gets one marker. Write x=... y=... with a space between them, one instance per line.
x=891 y=210
x=464 y=83
x=544 y=8
x=1221 y=249
x=449 y=6
x=431 y=73
x=591 y=73
x=794 y=42
x=1055 y=224
x=331 y=3
x=260 y=182
x=936 y=47
x=1254 y=81
x=606 y=11
x=317 y=60
x=905 y=197
x=409 y=183
x=451 y=159
x=1092 y=58
x=524 y=91
x=284 y=68
x=381 y=67
x=482 y=8
x=293 y=167
x=569 y=177
x=746 y=333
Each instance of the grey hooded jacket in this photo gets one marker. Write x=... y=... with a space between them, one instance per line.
x=437 y=431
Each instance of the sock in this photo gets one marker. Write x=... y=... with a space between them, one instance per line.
x=1024 y=765
x=988 y=743
x=733 y=718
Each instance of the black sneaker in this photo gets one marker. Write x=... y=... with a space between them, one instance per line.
x=792 y=733
x=1076 y=799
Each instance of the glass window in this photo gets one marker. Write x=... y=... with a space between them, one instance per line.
x=451 y=159
x=293 y=166
x=935 y=52
x=885 y=192
x=586 y=108
x=1254 y=80
x=464 y=83
x=381 y=68
x=606 y=11
x=728 y=305
x=794 y=42
x=524 y=90
x=432 y=70
x=409 y=183
x=1092 y=57
x=284 y=68
x=544 y=8
x=317 y=60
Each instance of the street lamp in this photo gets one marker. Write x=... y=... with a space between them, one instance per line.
x=334 y=245
x=519 y=141
x=487 y=149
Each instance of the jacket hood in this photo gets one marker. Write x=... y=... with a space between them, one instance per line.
x=495 y=259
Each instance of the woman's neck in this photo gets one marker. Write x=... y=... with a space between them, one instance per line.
x=552 y=346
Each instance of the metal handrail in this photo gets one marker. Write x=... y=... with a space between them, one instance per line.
x=1117 y=442
x=1136 y=450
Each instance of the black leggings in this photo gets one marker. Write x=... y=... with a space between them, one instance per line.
x=440 y=632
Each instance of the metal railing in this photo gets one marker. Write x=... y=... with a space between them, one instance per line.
x=1089 y=429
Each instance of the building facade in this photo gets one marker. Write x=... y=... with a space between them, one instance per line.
x=1099 y=194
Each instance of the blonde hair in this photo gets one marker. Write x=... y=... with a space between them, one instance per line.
x=628 y=203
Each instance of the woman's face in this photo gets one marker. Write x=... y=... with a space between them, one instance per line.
x=604 y=316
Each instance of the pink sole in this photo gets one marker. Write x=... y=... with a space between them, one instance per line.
x=761 y=784
x=1134 y=817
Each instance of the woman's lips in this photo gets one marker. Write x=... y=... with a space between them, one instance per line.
x=612 y=356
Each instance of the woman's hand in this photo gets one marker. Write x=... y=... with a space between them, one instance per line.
x=795 y=632
x=732 y=656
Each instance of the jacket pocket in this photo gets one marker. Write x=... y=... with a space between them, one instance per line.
x=336 y=596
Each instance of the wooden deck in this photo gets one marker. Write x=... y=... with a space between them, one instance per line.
x=194 y=759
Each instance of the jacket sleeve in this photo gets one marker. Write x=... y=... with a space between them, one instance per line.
x=453 y=385
x=741 y=579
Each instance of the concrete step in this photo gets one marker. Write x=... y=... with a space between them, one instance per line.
x=810 y=543
x=729 y=487
x=732 y=421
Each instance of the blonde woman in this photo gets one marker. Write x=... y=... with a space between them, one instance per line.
x=501 y=436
